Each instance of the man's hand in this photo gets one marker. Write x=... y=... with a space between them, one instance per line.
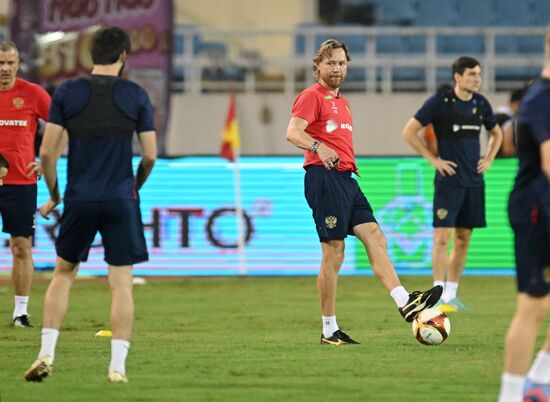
x=445 y=167
x=48 y=207
x=483 y=165
x=328 y=156
x=34 y=168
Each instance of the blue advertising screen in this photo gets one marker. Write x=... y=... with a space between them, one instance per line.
x=188 y=208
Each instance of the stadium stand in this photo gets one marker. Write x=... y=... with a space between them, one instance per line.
x=411 y=43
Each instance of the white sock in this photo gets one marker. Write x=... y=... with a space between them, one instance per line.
x=330 y=325
x=400 y=296
x=511 y=388
x=450 y=291
x=49 y=341
x=540 y=369
x=21 y=303
x=119 y=351
x=440 y=283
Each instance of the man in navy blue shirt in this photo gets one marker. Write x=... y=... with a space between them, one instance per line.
x=529 y=213
x=458 y=116
x=100 y=113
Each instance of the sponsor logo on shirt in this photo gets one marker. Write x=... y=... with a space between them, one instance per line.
x=346 y=126
x=331 y=126
x=14 y=123
x=457 y=127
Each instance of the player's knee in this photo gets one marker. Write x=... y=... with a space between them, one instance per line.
x=333 y=257
x=442 y=240
x=21 y=249
x=462 y=241
x=377 y=239
x=534 y=308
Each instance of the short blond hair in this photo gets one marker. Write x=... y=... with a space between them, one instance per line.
x=6 y=46
x=325 y=50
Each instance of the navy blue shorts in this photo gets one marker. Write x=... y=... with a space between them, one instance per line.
x=458 y=207
x=118 y=222
x=336 y=201
x=532 y=246
x=18 y=209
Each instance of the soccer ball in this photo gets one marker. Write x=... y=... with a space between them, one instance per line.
x=431 y=327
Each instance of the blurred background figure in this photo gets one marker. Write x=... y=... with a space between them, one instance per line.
x=506 y=116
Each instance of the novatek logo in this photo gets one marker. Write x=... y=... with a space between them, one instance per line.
x=456 y=127
x=346 y=126
x=14 y=123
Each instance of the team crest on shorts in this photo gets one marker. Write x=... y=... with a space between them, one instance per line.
x=546 y=274
x=442 y=213
x=18 y=102
x=331 y=222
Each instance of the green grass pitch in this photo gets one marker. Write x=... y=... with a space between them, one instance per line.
x=257 y=339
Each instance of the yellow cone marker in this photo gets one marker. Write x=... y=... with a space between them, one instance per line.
x=104 y=332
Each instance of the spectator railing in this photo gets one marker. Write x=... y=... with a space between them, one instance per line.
x=239 y=61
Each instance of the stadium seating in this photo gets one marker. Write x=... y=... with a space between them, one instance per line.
x=394 y=13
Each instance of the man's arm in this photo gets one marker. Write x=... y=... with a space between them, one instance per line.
x=508 y=148
x=296 y=135
x=495 y=141
x=410 y=134
x=148 y=143
x=545 y=158
x=54 y=138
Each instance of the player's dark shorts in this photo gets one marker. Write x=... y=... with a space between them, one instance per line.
x=118 y=222
x=336 y=201
x=18 y=209
x=458 y=207
x=532 y=246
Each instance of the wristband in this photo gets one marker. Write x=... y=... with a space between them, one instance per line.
x=315 y=145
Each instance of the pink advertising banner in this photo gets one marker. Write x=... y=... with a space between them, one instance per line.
x=58 y=39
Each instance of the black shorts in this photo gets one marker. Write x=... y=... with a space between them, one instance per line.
x=532 y=246
x=458 y=207
x=18 y=209
x=336 y=201
x=118 y=222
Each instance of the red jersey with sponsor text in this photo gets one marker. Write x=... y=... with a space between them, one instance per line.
x=329 y=121
x=20 y=108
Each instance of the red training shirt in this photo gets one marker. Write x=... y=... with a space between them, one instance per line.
x=20 y=108
x=329 y=121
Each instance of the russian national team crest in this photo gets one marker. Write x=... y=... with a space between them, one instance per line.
x=331 y=222
x=442 y=213
x=18 y=102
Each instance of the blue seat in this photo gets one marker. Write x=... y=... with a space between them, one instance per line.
x=394 y=12
x=506 y=44
x=444 y=75
x=432 y=13
x=409 y=74
x=356 y=43
x=531 y=44
x=396 y=44
x=356 y=74
x=516 y=73
x=516 y=13
x=465 y=45
x=541 y=11
x=476 y=13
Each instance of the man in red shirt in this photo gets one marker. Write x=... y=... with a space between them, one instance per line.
x=21 y=105
x=321 y=125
